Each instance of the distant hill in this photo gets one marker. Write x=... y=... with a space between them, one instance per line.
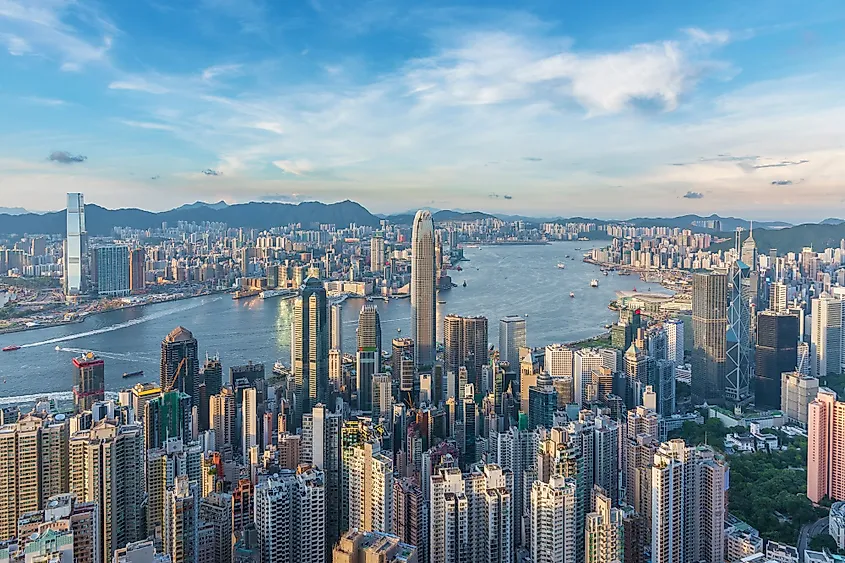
x=793 y=239
x=832 y=221
x=198 y=204
x=685 y=222
x=13 y=211
x=100 y=221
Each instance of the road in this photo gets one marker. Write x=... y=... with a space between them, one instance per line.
x=809 y=531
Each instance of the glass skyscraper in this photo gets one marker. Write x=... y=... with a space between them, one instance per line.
x=423 y=317
x=75 y=244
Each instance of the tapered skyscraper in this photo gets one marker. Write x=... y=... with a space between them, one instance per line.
x=423 y=316
x=368 y=356
x=310 y=347
x=75 y=244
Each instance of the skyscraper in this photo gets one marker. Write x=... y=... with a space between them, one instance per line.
x=216 y=509
x=738 y=350
x=221 y=419
x=826 y=336
x=137 y=279
x=321 y=447
x=826 y=447
x=377 y=253
x=675 y=341
x=249 y=422
x=75 y=245
x=311 y=347
x=422 y=289
x=778 y=297
x=798 y=390
x=180 y=363
x=370 y=488
x=776 y=354
x=554 y=518
x=559 y=361
x=465 y=344
x=336 y=326
x=368 y=355
x=181 y=515
x=709 y=323
x=604 y=534
x=512 y=337
x=402 y=362
x=112 y=267
x=88 y=381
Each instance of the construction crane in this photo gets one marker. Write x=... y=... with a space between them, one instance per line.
x=169 y=385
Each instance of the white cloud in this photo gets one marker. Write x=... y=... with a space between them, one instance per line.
x=138 y=85
x=16 y=46
x=213 y=72
x=271 y=126
x=45 y=101
x=703 y=37
x=295 y=167
x=148 y=125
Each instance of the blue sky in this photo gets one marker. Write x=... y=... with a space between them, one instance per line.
x=605 y=108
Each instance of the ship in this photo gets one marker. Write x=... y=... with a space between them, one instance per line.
x=270 y=293
x=11 y=348
x=561 y=265
x=465 y=283
x=594 y=283
x=244 y=293
x=133 y=374
x=280 y=369
x=572 y=294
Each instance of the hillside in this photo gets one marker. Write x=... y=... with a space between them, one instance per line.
x=793 y=239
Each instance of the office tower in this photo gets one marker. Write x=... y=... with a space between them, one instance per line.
x=410 y=515
x=709 y=327
x=826 y=447
x=688 y=487
x=336 y=326
x=221 y=419
x=553 y=521
x=605 y=533
x=639 y=447
x=290 y=517
x=216 y=509
x=469 y=413
x=542 y=403
x=368 y=355
x=465 y=344
x=75 y=247
x=748 y=254
x=370 y=488
x=798 y=390
x=778 y=297
x=165 y=417
x=137 y=279
x=675 y=341
x=657 y=342
x=638 y=368
x=471 y=515
x=180 y=363
x=559 y=361
x=423 y=285
x=89 y=376
x=321 y=447
x=605 y=456
x=738 y=349
x=585 y=362
x=804 y=359
x=512 y=337
x=377 y=253
x=776 y=353
x=382 y=397
x=664 y=387
x=311 y=347
x=362 y=547
x=180 y=521
x=404 y=370
x=111 y=263
x=335 y=370
x=104 y=468
x=249 y=422
x=826 y=336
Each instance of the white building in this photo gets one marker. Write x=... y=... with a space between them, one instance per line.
x=554 y=520
x=675 y=340
x=181 y=515
x=585 y=361
x=370 y=489
x=559 y=361
x=604 y=533
x=249 y=424
x=826 y=336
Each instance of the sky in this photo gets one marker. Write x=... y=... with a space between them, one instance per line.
x=608 y=108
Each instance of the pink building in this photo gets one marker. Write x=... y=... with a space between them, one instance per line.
x=826 y=447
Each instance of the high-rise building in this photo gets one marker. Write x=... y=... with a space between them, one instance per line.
x=422 y=289
x=512 y=337
x=377 y=253
x=709 y=324
x=465 y=344
x=584 y=363
x=181 y=515
x=249 y=422
x=180 y=363
x=675 y=341
x=638 y=368
x=410 y=515
x=826 y=336
x=75 y=248
x=559 y=361
x=311 y=347
x=163 y=465
x=605 y=456
x=111 y=263
x=335 y=370
x=368 y=355
x=137 y=274
x=777 y=353
x=167 y=416
x=221 y=419
x=104 y=468
x=89 y=376
x=605 y=533
x=216 y=509
x=798 y=390
x=290 y=517
x=778 y=301
x=370 y=488
x=826 y=447
x=362 y=547
x=738 y=349
x=554 y=519
x=321 y=447
x=542 y=403
x=336 y=326
x=404 y=369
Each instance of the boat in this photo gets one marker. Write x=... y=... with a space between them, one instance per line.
x=572 y=294
x=279 y=368
x=465 y=283
x=605 y=272
x=473 y=246
x=270 y=293
x=11 y=348
x=133 y=374
x=594 y=283
x=561 y=265
x=58 y=348
x=398 y=330
x=245 y=293
x=441 y=301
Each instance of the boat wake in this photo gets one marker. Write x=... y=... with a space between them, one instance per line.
x=118 y=326
x=108 y=355
x=58 y=396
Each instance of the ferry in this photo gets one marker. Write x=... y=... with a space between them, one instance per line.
x=133 y=374
x=473 y=246
x=594 y=283
x=11 y=348
x=244 y=293
x=58 y=348
x=561 y=265
x=572 y=294
x=270 y=293
x=279 y=368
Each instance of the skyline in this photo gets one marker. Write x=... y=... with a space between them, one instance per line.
x=663 y=109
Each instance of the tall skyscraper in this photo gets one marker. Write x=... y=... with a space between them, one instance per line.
x=402 y=362
x=542 y=403
x=604 y=534
x=554 y=518
x=75 y=245
x=465 y=344
x=163 y=466
x=221 y=419
x=321 y=447
x=167 y=416
x=422 y=289
x=798 y=390
x=216 y=509
x=738 y=350
x=778 y=297
x=709 y=324
x=311 y=347
x=111 y=264
x=377 y=253
x=675 y=340
x=370 y=488
x=512 y=337
x=336 y=326
x=181 y=516
x=410 y=515
x=88 y=381
x=137 y=274
x=776 y=354
x=826 y=447
x=249 y=422
x=584 y=363
x=826 y=336
x=368 y=356
x=180 y=363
